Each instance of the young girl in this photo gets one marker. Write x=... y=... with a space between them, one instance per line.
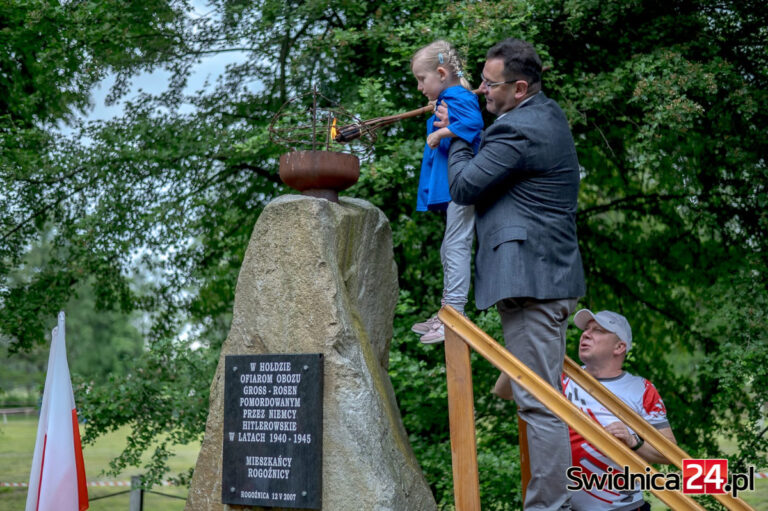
x=439 y=74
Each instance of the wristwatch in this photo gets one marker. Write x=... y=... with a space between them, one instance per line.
x=639 y=443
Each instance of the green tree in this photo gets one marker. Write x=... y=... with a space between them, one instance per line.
x=52 y=55
x=101 y=345
x=667 y=103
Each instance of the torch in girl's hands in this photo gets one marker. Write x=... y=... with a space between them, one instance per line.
x=353 y=131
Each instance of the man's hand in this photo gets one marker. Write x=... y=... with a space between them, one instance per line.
x=433 y=140
x=620 y=431
x=646 y=450
x=441 y=112
x=503 y=387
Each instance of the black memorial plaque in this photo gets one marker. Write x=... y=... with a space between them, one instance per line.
x=273 y=430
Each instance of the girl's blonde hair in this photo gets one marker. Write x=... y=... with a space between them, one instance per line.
x=442 y=53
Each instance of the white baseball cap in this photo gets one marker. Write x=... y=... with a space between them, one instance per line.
x=611 y=321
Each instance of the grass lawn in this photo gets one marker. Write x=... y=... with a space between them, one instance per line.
x=17 y=445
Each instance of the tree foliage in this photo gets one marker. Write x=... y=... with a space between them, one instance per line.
x=667 y=102
x=106 y=343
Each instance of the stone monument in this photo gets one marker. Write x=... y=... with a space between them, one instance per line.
x=319 y=277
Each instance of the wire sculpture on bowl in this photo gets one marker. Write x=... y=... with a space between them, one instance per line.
x=312 y=122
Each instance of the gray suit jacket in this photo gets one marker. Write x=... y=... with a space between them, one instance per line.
x=524 y=183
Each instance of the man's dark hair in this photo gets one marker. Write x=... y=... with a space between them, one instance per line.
x=521 y=62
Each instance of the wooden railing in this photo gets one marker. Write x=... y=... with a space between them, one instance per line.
x=461 y=335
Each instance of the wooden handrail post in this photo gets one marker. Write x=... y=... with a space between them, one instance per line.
x=461 y=414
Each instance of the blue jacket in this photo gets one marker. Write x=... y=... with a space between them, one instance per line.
x=466 y=124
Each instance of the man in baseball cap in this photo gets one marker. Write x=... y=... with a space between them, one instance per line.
x=606 y=340
x=610 y=321
x=603 y=346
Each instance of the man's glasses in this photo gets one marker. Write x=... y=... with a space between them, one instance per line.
x=493 y=85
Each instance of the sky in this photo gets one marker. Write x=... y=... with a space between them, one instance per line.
x=156 y=82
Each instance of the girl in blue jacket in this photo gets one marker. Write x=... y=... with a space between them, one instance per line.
x=439 y=74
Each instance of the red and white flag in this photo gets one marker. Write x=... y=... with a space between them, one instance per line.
x=57 y=479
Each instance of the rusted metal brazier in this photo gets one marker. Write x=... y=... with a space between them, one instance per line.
x=319 y=163
x=319 y=174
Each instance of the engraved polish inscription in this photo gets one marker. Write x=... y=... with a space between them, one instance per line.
x=273 y=430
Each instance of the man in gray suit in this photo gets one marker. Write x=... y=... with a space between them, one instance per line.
x=524 y=182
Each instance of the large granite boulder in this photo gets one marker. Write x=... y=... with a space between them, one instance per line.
x=319 y=277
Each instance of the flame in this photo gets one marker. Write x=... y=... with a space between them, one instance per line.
x=333 y=129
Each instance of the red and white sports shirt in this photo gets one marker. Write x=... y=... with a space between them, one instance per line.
x=640 y=395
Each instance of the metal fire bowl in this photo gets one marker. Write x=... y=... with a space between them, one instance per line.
x=319 y=174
